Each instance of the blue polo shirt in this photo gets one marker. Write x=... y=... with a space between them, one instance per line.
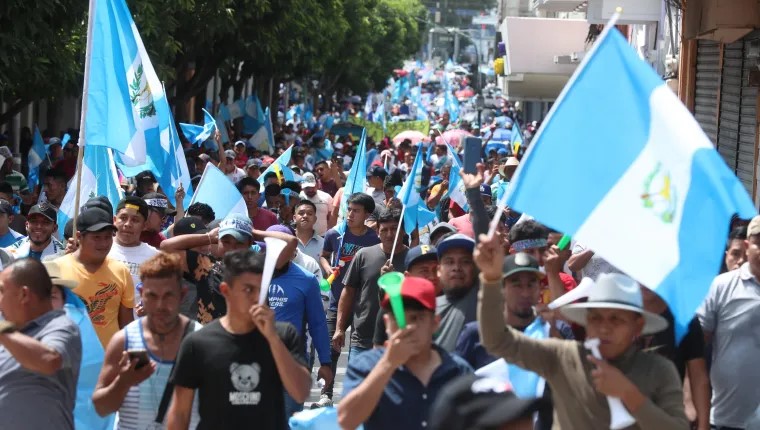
x=405 y=403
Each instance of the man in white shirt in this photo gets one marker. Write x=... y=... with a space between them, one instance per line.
x=227 y=164
x=40 y=225
x=309 y=242
x=131 y=214
x=322 y=201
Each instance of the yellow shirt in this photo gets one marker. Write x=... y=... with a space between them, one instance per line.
x=102 y=292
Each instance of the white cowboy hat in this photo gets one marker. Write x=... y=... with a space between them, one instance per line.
x=615 y=291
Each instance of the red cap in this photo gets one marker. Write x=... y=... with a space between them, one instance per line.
x=418 y=289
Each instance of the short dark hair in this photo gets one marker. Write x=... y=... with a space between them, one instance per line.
x=248 y=182
x=32 y=274
x=307 y=203
x=6 y=188
x=362 y=199
x=292 y=185
x=389 y=216
x=738 y=233
x=528 y=229
x=491 y=211
x=320 y=162
x=242 y=261
x=203 y=211
x=57 y=174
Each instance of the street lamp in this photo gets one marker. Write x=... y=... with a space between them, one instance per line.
x=477 y=52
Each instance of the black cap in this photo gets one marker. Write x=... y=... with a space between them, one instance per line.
x=68 y=229
x=521 y=262
x=158 y=202
x=6 y=207
x=190 y=225
x=94 y=219
x=146 y=175
x=419 y=254
x=474 y=403
x=45 y=209
x=133 y=202
x=100 y=202
x=377 y=171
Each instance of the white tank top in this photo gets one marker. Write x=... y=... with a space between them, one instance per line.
x=140 y=407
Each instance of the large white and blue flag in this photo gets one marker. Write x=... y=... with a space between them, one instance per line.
x=197 y=134
x=99 y=178
x=456 y=184
x=216 y=190
x=646 y=183
x=123 y=88
x=37 y=154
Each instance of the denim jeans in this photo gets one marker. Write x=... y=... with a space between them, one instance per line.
x=354 y=352
x=291 y=407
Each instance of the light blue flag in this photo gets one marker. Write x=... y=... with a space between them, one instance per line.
x=368 y=107
x=65 y=139
x=37 y=154
x=221 y=125
x=281 y=169
x=516 y=138
x=197 y=134
x=253 y=115
x=429 y=154
x=324 y=153
x=356 y=181
x=123 y=89
x=409 y=194
x=175 y=171
x=450 y=102
x=416 y=99
x=263 y=139
x=99 y=178
x=224 y=112
x=662 y=177
x=85 y=416
x=216 y=190
x=379 y=115
x=456 y=185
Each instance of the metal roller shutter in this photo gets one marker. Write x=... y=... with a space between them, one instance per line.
x=706 y=86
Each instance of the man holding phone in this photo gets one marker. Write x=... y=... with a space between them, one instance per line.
x=140 y=358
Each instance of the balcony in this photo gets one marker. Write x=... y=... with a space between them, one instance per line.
x=541 y=55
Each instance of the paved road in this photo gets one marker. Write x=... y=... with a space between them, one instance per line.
x=338 y=388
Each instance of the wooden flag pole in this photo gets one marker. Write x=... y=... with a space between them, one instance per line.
x=85 y=90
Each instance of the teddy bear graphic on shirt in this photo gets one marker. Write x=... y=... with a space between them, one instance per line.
x=245 y=379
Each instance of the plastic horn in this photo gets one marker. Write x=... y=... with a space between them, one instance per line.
x=391 y=284
x=325 y=284
x=563 y=242
x=577 y=293
x=274 y=249
x=619 y=416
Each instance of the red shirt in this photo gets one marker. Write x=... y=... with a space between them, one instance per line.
x=241 y=160
x=264 y=219
x=152 y=238
x=567 y=280
x=464 y=225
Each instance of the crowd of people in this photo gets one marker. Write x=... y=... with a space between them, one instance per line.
x=167 y=297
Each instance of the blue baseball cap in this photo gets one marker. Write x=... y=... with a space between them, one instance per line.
x=485 y=190
x=238 y=226
x=419 y=254
x=457 y=240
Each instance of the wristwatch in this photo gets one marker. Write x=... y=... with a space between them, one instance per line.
x=7 y=327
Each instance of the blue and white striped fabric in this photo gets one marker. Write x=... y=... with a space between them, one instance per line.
x=416 y=98
x=263 y=139
x=648 y=191
x=123 y=88
x=456 y=185
x=216 y=190
x=280 y=167
x=99 y=178
x=37 y=155
x=253 y=115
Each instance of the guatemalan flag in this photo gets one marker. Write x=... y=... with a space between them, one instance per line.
x=648 y=191
x=415 y=211
x=37 y=154
x=123 y=88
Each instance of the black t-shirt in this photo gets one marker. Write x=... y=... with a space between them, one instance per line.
x=664 y=343
x=236 y=376
x=205 y=272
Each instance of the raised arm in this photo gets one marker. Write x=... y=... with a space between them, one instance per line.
x=540 y=356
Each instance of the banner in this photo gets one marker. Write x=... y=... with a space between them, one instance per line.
x=375 y=130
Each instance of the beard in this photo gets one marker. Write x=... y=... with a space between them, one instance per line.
x=39 y=242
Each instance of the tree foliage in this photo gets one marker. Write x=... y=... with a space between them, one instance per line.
x=345 y=44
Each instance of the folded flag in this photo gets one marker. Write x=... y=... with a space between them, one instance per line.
x=253 y=115
x=356 y=181
x=281 y=169
x=409 y=194
x=653 y=171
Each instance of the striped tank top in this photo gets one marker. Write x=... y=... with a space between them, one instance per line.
x=140 y=407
